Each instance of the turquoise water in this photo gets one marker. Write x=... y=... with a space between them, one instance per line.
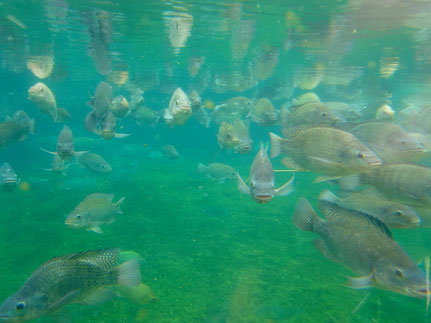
x=211 y=254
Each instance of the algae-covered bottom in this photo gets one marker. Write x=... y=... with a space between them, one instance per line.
x=210 y=253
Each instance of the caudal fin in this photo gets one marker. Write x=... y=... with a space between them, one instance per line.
x=129 y=273
x=304 y=216
x=276 y=143
x=118 y=205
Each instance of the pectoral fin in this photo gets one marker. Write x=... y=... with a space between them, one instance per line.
x=325 y=161
x=242 y=186
x=286 y=189
x=96 y=229
x=321 y=245
x=325 y=178
x=66 y=299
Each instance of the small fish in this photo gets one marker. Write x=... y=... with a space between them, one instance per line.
x=324 y=150
x=218 y=171
x=232 y=110
x=264 y=113
x=102 y=100
x=393 y=214
x=362 y=244
x=107 y=128
x=143 y=114
x=169 y=152
x=262 y=184
x=196 y=101
x=16 y=129
x=58 y=165
x=179 y=110
x=141 y=294
x=245 y=143
x=311 y=113
x=94 y=162
x=195 y=64
x=96 y=209
x=119 y=106
x=227 y=138
x=65 y=146
x=8 y=178
x=44 y=99
x=84 y=278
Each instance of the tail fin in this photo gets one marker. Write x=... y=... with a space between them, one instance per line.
x=276 y=142
x=202 y=168
x=328 y=196
x=304 y=216
x=118 y=205
x=129 y=273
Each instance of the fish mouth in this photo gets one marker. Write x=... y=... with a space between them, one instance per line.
x=263 y=198
x=421 y=292
x=375 y=163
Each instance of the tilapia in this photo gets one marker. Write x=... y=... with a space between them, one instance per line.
x=218 y=171
x=344 y=112
x=393 y=214
x=264 y=113
x=324 y=150
x=65 y=146
x=362 y=244
x=232 y=110
x=95 y=210
x=245 y=143
x=84 y=277
x=8 y=178
x=146 y=115
x=44 y=99
x=227 y=137
x=311 y=113
x=119 y=106
x=107 y=128
x=94 y=162
x=102 y=99
x=262 y=184
x=389 y=141
x=16 y=129
x=179 y=110
x=169 y=151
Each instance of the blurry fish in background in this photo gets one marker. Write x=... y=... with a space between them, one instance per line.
x=100 y=104
x=264 y=113
x=305 y=98
x=217 y=171
x=94 y=163
x=198 y=112
x=178 y=27
x=265 y=62
x=243 y=31
x=16 y=128
x=143 y=114
x=344 y=112
x=95 y=210
x=311 y=113
x=65 y=147
x=311 y=77
x=119 y=106
x=179 y=110
x=262 y=184
x=169 y=152
x=100 y=31
x=370 y=201
x=195 y=64
x=44 y=99
x=322 y=149
x=389 y=62
x=8 y=178
x=385 y=112
x=63 y=115
x=84 y=278
x=389 y=141
x=245 y=143
x=227 y=138
x=59 y=165
x=232 y=110
x=119 y=75
x=107 y=128
x=41 y=66
x=362 y=244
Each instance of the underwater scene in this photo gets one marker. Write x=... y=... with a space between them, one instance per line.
x=215 y=161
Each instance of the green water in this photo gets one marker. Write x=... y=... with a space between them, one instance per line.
x=211 y=254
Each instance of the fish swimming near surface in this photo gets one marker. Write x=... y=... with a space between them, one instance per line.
x=85 y=278
x=363 y=244
x=262 y=184
x=8 y=178
x=96 y=209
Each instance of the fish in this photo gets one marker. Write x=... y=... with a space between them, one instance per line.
x=195 y=64
x=95 y=210
x=232 y=110
x=227 y=137
x=179 y=110
x=102 y=100
x=141 y=294
x=16 y=129
x=245 y=143
x=322 y=149
x=58 y=165
x=217 y=171
x=195 y=101
x=44 y=99
x=305 y=98
x=143 y=114
x=63 y=115
x=202 y=117
x=405 y=183
x=395 y=215
x=91 y=121
x=264 y=113
x=8 y=178
x=389 y=141
x=311 y=113
x=385 y=112
x=363 y=244
x=169 y=152
x=344 y=112
x=65 y=146
x=74 y=278
x=107 y=128
x=262 y=183
x=94 y=162
x=119 y=106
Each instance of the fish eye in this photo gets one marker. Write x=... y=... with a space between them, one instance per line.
x=403 y=142
x=398 y=272
x=19 y=306
x=398 y=213
x=324 y=114
x=78 y=216
x=360 y=155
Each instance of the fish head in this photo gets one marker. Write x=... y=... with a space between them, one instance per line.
x=107 y=134
x=103 y=167
x=65 y=149
x=361 y=157
x=38 y=93
x=261 y=191
x=22 y=309
x=8 y=178
x=404 y=277
x=78 y=220
x=401 y=216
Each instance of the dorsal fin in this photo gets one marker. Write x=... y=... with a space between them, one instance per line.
x=330 y=209
x=94 y=256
